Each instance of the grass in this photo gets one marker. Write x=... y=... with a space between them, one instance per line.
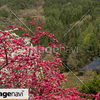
x=73 y=81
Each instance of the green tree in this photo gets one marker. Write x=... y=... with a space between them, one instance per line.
x=4 y=13
x=93 y=85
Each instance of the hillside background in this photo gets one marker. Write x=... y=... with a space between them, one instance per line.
x=58 y=17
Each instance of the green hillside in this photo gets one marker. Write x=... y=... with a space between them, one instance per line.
x=24 y=9
x=59 y=17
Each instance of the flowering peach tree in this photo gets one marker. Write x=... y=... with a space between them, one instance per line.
x=27 y=69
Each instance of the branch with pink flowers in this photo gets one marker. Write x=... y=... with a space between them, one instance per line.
x=22 y=66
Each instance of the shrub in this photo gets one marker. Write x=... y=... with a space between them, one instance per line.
x=4 y=13
x=93 y=85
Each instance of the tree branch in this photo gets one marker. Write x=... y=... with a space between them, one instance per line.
x=5 y=56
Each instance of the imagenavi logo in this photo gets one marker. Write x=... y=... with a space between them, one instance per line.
x=13 y=94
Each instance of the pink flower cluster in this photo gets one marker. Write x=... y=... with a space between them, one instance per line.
x=20 y=70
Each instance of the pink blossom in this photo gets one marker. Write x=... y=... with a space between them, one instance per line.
x=34 y=19
x=33 y=37
x=20 y=28
x=39 y=27
x=12 y=26
x=63 y=48
x=35 y=41
x=31 y=22
x=26 y=34
x=57 y=54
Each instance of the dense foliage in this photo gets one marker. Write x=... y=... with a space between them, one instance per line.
x=18 y=4
x=84 y=36
x=93 y=84
x=4 y=13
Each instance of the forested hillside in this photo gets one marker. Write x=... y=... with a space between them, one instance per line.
x=18 y=4
x=24 y=9
x=60 y=16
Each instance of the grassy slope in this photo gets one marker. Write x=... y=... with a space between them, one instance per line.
x=73 y=81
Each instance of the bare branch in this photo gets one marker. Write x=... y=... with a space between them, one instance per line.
x=2 y=66
x=6 y=57
x=29 y=50
x=5 y=54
